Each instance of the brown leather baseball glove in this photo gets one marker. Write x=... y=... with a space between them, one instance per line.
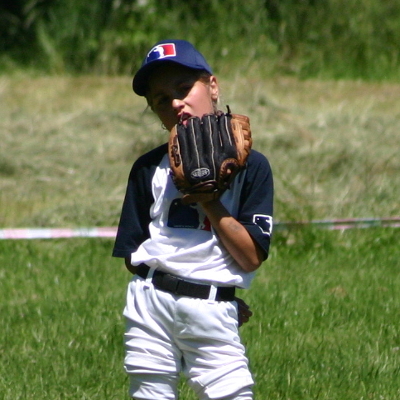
x=207 y=153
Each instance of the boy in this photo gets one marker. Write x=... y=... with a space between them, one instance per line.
x=181 y=310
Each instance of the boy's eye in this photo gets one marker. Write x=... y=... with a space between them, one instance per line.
x=180 y=92
x=184 y=89
x=162 y=100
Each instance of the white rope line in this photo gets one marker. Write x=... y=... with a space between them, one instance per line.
x=54 y=233
x=343 y=224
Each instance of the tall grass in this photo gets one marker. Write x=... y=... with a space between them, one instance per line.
x=325 y=321
x=330 y=38
x=339 y=38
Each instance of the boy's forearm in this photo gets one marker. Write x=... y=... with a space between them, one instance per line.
x=234 y=236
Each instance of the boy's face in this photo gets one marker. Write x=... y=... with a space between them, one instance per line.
x=176 y=94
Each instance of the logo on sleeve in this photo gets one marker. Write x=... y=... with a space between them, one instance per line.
x=264 y=222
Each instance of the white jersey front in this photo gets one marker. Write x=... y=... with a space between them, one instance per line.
x=182 y=240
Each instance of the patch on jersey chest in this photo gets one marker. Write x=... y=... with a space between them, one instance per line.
x=264 y=222
x=187 y=216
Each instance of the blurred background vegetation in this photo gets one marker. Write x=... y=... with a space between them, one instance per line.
x=305 y=38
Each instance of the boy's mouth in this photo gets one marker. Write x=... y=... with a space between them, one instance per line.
x=183 y=118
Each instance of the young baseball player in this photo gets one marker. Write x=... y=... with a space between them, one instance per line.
x=187 y=259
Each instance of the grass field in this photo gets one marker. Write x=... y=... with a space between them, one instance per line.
x=326 y=303
x=326 y=323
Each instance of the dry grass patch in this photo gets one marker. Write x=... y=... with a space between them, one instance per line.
x=67 y=145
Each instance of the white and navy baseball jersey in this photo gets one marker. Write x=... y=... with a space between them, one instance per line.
x=155 y=228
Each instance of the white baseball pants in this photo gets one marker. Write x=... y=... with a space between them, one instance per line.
x=168 y=334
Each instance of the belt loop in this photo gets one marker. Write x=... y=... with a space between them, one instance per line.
x=213 y=292
x=149 y=277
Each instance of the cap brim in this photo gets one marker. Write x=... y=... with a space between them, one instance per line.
x=141 y=78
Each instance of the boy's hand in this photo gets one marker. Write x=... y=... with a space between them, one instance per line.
x=244 y=312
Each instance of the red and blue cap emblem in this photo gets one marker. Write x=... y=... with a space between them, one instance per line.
x=161 y=51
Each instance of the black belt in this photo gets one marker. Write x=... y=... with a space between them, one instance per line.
x=174 y=284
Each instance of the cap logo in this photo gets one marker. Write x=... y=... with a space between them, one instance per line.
x=161 y=51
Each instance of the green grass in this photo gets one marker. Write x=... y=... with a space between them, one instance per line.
x=61 y=335
x=325 y=325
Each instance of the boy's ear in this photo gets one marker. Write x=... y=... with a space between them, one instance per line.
x=214 y=88
x=149 y=105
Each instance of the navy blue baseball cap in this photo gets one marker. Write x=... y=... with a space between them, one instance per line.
x=178 y=51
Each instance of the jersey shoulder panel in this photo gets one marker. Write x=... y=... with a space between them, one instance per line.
x=257 y=161
x=152 y=157
x=134 y=222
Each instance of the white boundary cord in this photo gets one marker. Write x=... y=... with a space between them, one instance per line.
x=55 y=233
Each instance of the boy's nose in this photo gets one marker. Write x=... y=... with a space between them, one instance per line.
x=177 y=104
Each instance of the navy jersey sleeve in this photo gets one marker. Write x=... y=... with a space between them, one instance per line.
x=256 y=201
x=133 y=228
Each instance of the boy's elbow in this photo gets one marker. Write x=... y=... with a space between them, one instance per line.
x=251 y=264
x=258 y=257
